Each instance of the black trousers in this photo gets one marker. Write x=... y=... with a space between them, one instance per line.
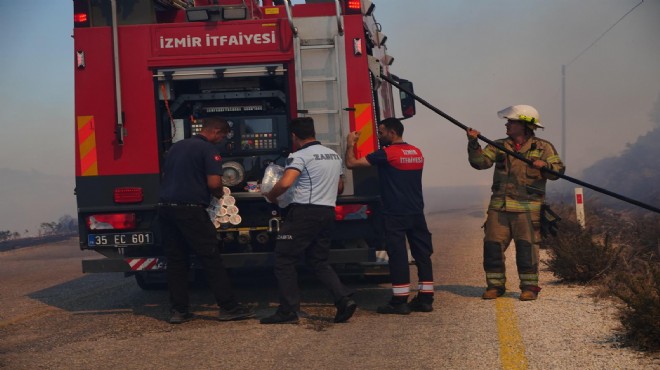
x=188 y=229
x=413 y=227
x=305 y=232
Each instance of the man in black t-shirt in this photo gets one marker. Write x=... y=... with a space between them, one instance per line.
x=191 y=174
x=400 y=168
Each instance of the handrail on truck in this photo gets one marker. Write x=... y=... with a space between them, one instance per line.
x=287 y=6
x=340 y=27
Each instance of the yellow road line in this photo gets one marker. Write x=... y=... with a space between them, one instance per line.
x=512 y=349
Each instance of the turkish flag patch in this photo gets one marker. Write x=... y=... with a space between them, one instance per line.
x=217 y=158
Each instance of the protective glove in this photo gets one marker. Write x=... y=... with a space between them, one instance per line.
x=549 y=221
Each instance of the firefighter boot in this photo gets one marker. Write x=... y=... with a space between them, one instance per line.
x=396 y=306
x=238 y=312
x=495 y=270
x=493 y=292
x=180 y=317
x=529 y=293
x=421 y=303
x=345 y=309
x=280 y=317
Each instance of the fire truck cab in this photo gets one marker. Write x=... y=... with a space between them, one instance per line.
x=146 y=72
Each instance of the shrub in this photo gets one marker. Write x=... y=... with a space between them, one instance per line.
x=637 y=284
x=630 y=271
x=576 y=255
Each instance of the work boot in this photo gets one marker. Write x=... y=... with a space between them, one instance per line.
x=180 y=317
x=421 y=304
x=529 y=293
x=280 y=317
x=345 y=309
x=493 y=292
x=239 y=312
x=394 y=308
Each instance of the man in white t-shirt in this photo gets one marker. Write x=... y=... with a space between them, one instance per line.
x=315 y=173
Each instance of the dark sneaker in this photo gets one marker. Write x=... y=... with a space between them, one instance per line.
x=280 y=317
x=392 y=308
x=419 y=304
x=529 y=293
x=492 y=293
x=345 y=309
x=180 y=317
x=239 y=312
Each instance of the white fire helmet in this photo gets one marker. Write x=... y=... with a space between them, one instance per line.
x=525 y=113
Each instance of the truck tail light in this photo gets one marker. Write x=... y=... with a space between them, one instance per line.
x=352 y=212
x=111 y=221
x=128 y=195
x=81 y=13
x=80 y=17
x=353 y=7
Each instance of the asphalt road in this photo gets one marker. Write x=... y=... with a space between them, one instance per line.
x=55 y=317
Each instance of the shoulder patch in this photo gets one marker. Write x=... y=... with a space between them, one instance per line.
x=289 y=161
x=217 y=158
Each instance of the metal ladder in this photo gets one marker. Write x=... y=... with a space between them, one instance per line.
x=312 y=88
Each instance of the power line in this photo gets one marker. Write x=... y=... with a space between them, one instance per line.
x=563 y=81
x=603 y=34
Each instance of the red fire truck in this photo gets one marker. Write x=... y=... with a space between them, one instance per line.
x=147 y=70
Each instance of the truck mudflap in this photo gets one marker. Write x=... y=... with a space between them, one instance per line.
x=231 y=260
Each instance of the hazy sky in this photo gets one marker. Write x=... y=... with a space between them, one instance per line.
x=469 y=58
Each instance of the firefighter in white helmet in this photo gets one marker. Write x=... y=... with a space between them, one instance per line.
x=514 y=211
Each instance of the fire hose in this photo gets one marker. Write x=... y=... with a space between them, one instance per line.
x=517 y=155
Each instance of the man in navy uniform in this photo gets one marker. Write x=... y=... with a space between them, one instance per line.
x=400 y=168
x=191 y=174
x=315 y=173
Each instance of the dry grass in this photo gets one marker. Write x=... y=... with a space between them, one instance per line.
x=578 y=255
x=620 y=253
x=637 y=284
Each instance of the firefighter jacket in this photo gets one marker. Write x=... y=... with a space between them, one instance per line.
x=517 y=186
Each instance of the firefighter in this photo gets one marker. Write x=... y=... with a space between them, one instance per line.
x=315 y=173
x=514 y=211
x=191 y=174
x=400 y=168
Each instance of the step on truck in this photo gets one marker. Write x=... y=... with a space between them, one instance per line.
x=146 y=72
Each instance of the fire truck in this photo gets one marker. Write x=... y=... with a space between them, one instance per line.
x=146 y=72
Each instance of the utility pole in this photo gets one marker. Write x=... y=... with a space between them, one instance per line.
x=563 y=112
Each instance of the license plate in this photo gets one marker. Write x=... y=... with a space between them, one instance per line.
x=120 y=239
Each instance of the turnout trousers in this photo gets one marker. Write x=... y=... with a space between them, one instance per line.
x=524 y=229
x=187 y=229
x=305 y=233
x=414 y=228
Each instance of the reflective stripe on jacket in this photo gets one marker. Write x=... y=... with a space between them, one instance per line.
x=517 y=186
